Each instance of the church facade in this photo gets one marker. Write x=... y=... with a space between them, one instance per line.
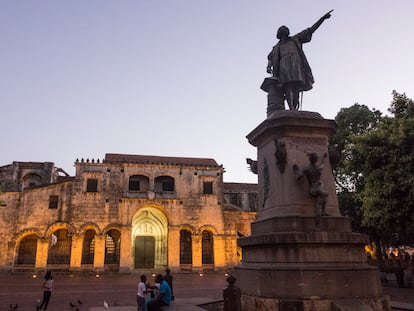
x=124 y=213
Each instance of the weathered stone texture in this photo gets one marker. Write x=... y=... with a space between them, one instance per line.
x=299 y=251
x=128 y=202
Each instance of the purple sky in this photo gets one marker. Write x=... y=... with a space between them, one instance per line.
x=181 y=77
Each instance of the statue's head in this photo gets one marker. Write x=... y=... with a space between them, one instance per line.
x=313 y=157
x=282 y=32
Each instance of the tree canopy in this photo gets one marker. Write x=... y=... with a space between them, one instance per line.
x=375 y=176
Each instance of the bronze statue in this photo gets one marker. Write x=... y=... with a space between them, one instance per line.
x=280 y=155
x=287 y=62
x=252 y=165
x=316 y=188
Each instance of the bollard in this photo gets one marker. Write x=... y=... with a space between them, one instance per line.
x=232 y=296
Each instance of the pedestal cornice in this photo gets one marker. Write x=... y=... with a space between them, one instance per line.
x=288 y=122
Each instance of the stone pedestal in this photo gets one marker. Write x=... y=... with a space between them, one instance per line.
x=295 y=258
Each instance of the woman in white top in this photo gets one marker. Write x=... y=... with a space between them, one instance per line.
x=47 y=290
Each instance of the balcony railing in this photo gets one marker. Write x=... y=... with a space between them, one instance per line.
x=150 y=194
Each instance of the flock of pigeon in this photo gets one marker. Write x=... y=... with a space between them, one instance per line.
x=73 y=306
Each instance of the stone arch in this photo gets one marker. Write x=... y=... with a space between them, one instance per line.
x=207 y=248
x=22 y=234
x=88 y=245
x=60 y=225
x=186 y=247
x=164 y=183
x=149 y=238
x=88 y=226
x=138 y=182
x=207 y=227
x=31 y=180
x=111 y=226
x=112 y=245
x=26 y=247
x=60 y=243
x=188 y=227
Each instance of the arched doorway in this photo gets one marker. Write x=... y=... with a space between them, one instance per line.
x=112 y=248
x=207 y=246
x=88 y=248
x=149 y=239
x=27 y=248
x=186 y=250
x=60 y=246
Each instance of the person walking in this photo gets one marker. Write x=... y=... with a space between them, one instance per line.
x=47 y=290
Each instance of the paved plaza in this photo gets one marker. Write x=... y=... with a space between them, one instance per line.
x=117 y=290
x=88 y=292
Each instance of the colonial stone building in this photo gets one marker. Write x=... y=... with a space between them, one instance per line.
x=123 y=213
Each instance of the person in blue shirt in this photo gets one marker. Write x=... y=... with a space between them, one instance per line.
x=164 y=296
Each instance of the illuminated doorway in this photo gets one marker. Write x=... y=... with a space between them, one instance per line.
x=144 y=252
x=149 y=239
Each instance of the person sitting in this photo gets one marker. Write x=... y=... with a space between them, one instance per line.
x=164 y=296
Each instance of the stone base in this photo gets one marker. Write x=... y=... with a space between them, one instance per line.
x=307 y=263
x=305 y=281
x=296 y=259
x=314 y=304
x=300 y=223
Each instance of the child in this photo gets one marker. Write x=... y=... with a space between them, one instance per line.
x=142 y=290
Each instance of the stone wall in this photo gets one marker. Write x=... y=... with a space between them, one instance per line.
x=70 y=210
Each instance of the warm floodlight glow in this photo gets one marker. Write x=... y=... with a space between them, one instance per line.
x=153 y=274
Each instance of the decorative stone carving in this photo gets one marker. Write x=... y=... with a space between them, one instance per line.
x=313 y=174
x=280 y=155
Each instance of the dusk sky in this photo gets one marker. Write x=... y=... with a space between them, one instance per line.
x=81 y=78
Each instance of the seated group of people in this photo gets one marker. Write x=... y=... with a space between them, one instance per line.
x=161 y=292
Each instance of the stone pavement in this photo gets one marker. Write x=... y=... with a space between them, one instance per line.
x=88 y=292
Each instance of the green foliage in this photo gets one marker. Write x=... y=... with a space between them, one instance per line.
x=375 y=177
x=351 y=122
x=388 y=193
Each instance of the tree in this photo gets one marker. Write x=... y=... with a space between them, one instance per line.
x=375 y=175
x=388 y=167
x=351 y=122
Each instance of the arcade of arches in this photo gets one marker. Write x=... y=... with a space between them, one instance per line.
x=147 y=244
x=126 y=212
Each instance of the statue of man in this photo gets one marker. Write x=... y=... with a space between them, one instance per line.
x=288 y=63
x=313 y=174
